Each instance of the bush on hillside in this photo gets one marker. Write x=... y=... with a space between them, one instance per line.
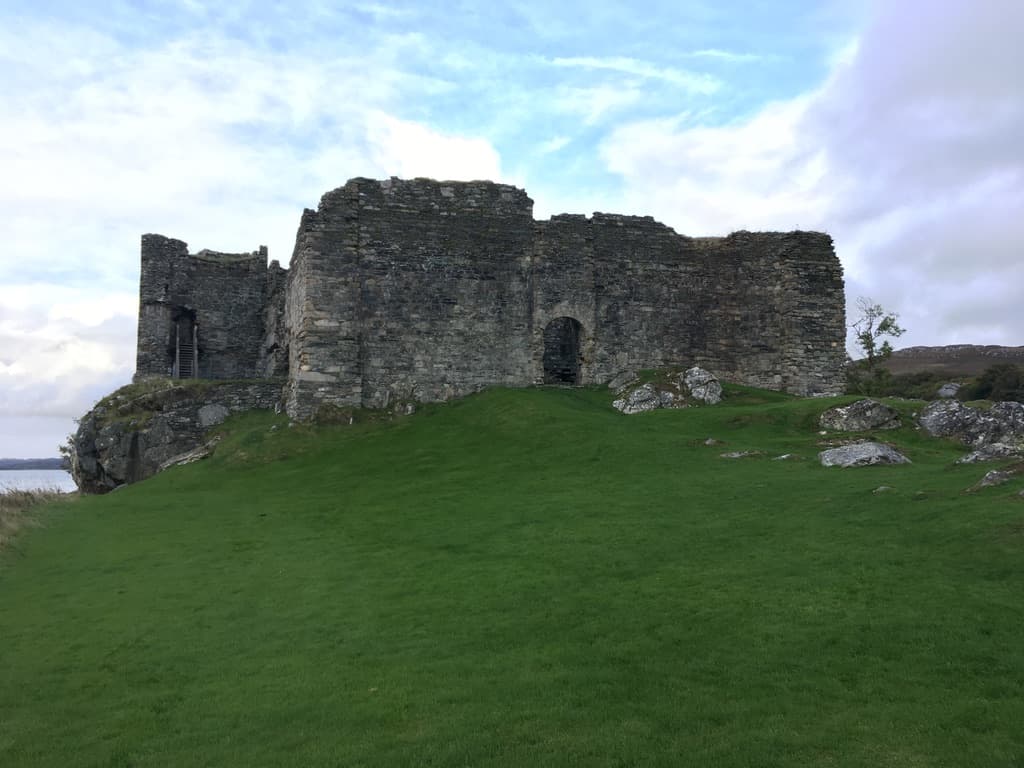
x=920 y=386
x=1003 y=381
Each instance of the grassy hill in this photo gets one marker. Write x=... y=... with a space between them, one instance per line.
x=524 y=578
x=952 y=361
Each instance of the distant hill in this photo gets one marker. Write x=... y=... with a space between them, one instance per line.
x=32 y=464
x=953 y=360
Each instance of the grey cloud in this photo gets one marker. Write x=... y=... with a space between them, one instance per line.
x=928 y=120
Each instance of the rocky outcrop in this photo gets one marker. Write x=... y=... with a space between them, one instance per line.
x=143 y=428
x=703 y=385
x=994 y=433
x=861 y=455
x=190 y=457
x=645 y=397
x=860 y=416
x=948 y=390
x=670 y=391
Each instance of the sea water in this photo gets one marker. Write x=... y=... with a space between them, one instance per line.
x=36 y=479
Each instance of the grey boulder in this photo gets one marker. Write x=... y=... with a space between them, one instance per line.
x=1002 y=423
x=861 y=455
x=703 y=385
x=860 y=416
x=993 y=478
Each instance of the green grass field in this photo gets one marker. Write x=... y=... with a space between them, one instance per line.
x=524 y=578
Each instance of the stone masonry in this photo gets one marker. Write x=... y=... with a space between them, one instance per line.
x=425 y=290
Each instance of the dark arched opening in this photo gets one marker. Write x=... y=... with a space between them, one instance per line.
x=184 y=343
x=562 y=351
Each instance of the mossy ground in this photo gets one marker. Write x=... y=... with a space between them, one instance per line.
x=524 y=578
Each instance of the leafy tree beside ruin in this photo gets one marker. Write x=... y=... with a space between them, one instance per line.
x=873 y=328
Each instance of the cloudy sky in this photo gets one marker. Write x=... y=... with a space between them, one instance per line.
x=898 y=127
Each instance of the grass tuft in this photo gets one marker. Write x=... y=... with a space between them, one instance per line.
x=20 y=509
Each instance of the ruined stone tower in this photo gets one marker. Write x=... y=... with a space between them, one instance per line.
x=427 y=290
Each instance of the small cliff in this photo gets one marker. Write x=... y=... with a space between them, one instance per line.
x=131 y=433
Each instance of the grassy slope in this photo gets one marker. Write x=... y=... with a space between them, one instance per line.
x=523 y=578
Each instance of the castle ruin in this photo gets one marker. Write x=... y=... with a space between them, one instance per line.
x=424 y=290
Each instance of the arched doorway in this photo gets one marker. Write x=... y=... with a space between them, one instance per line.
x=562 y=351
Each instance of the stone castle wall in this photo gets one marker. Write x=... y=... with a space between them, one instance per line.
x=425 y=290
x=231 y=298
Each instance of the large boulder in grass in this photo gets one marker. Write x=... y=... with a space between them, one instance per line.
x=860 y=416
x=703 y=385
x=861 y=455
x=1002 y=424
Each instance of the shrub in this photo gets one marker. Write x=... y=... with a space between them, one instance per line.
x=1003 y=381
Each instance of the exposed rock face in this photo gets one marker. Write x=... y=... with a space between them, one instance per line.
x=948 y=390
x=645 y=397
x=860 y=417
x=125 y=439
x=673 y=391
x=861 y=455
x=190 y=457
x=1002 y=424
x=703 y=385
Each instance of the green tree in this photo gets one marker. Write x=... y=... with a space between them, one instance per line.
x=872 y=328
x=1003 y=381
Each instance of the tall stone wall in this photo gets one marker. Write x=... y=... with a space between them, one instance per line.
x=413 y=290
x=229 y=298
x=427 y=290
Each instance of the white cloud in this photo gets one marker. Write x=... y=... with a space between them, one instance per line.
x=408 y=149
x=911 y=155
x=203 y=138
x=730 y=56
x=554 y=144
x=695 y=82
x=752 y=174
x=593 y=104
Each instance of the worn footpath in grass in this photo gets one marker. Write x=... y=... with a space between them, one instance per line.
x=524 y=578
